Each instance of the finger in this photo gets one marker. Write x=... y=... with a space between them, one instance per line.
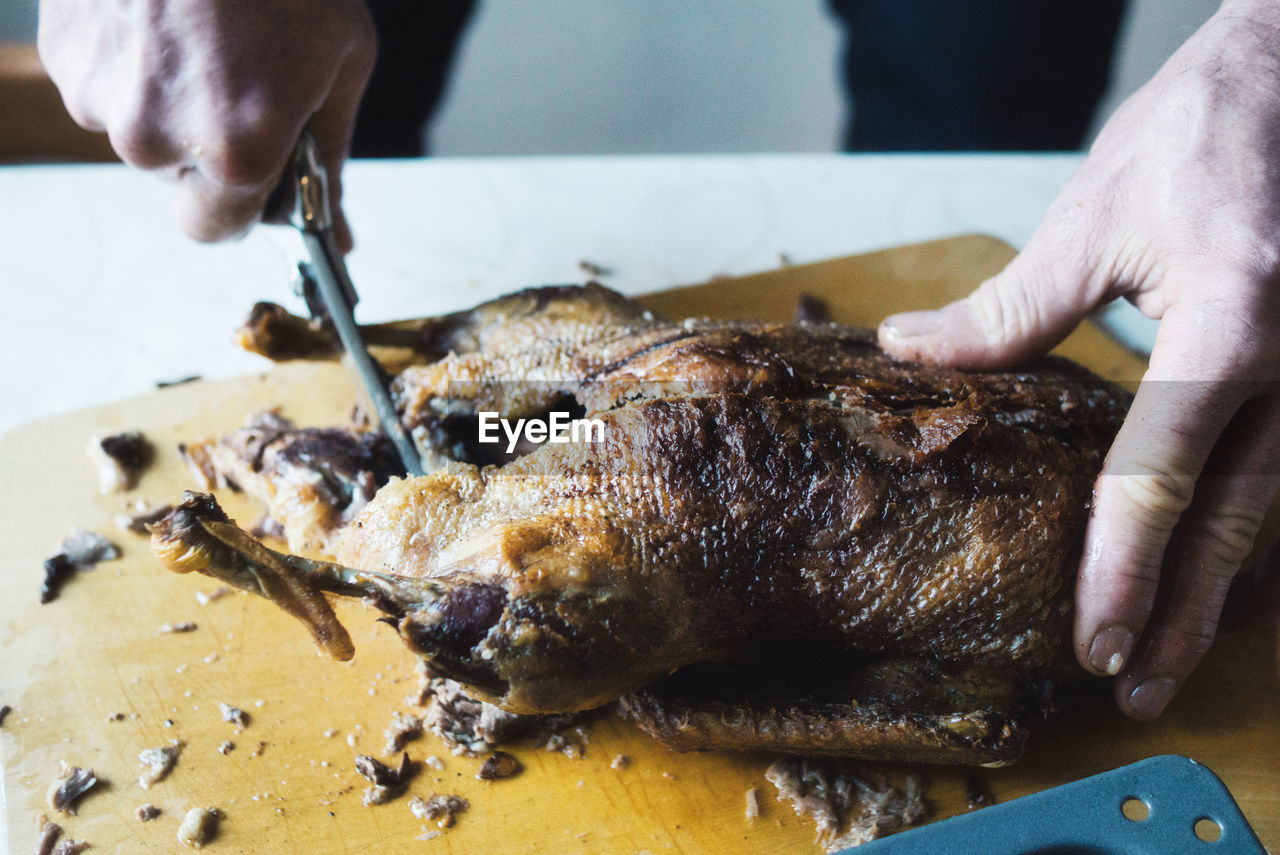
x=1021 y=312
x=1213 y=539
x=232 y=161
x=1146 y=484
x=209 y=210
x=334 y=123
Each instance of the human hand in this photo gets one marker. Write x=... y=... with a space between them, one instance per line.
x=1177 y=209
x=214 y=93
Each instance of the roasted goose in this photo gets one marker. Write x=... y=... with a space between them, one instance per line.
x=784 y=539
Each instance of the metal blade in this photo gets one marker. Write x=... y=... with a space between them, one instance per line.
x=326 y=287
x=331 y=286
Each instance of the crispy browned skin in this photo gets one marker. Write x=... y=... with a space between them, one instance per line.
x=760 y=487
x=899 y=709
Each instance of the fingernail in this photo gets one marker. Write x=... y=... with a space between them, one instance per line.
x=1151 y=696
x=1110 y=649
x=912 y=324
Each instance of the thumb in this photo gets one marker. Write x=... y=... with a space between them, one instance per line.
x=1019 y=313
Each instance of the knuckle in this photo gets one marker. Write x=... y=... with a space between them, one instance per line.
x=1226 y=538
x=1003 y=313
x=1156 y=497
x=141 y=144
x=241 y=157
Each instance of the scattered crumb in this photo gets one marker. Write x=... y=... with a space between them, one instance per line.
x=226 y=747
x=5 y=709
x=181 y=626
x=428 y=835
x=234 y=715
x=498 y=765
x=620 y=761
x=592 y=269
x=168 y=722
x=330 y=732
x=137 y=517
x=70 y=847
x=147 y=812
x=387 y=782
x=259 y=703
x=49 y=832
x=115 y=716
x=554 y=735
x=216 y=594
x=209 y=659
x=669 y=776
x=812 y=310
x=121 y=458
x=190 y=378
x=198 y=827
x=434 y=762
x=159 y=762
x=469 y=727
x=831 y=793
x=72 y=783
x=441 y=807
x=404 y=728
x=258 y=749
x=57 y=570
x=753 y=805
x=81 y=550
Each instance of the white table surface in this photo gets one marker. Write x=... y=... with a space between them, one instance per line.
x=103 y=296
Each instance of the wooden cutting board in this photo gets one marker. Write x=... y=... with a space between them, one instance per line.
x=69 y=666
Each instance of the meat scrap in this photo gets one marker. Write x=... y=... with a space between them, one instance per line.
x=48 y=835
x=499 y=765
x=753 y=805
x=198 y=827
x=121 y=458
x=563 y=733
x=441 y=807
x=159 y=762
x=179 y=627
x=832 y=793
x=70 y=847
x=147 y=812
x=72 y=783
x=403 y=728
x=81 y=550
x=469 y=727
x=387 y=782
x=234 y=715
x=216 y=594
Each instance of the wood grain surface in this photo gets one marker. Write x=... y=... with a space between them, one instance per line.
x=70 y=666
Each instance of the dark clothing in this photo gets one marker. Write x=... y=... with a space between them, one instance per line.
x=937 y=75
x=923 y=75
x=417 y=40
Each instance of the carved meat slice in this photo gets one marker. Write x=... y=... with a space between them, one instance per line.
x=312 y=481
x=781 y=493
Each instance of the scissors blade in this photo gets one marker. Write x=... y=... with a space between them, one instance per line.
x=326 y=286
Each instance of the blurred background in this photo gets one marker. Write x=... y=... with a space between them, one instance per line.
x=624 y=76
